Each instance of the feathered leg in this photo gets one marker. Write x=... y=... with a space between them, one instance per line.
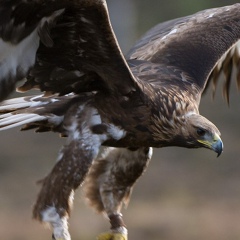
x=56 y=196
x=109 y=184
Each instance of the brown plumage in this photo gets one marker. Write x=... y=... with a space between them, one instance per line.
x=114 y=173
x=94 y=97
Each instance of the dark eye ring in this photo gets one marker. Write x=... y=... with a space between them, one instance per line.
x=200 y=132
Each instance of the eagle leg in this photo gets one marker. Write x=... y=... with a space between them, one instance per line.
x=56 y=195
x=109 y=185
x=55 y=199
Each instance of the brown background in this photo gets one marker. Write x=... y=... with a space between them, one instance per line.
x=184 y=195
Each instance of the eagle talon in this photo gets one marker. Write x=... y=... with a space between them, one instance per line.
x=112 y=236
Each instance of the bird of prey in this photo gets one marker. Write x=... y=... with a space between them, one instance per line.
x=94 y=96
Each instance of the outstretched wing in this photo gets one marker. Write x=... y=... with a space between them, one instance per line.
x=60 y=46
x=199 y=46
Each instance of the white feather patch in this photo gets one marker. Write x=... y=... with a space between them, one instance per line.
x=20 y=56
x=59 y=224
x=12 y=121
x=174 y=30
x=23 y=102
x=116 y=132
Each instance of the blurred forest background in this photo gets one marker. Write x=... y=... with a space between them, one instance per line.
x=184 y=195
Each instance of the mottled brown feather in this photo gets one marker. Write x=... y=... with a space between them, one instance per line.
x=109 y=183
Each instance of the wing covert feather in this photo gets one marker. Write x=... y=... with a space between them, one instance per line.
x=61 y=47
x=195 y=45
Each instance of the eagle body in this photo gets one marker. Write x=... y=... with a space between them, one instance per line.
x=132 y=114
x=94 y=96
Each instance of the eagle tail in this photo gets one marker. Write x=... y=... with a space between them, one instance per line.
x=10 y=120
x=16 y=104
x=35 y=112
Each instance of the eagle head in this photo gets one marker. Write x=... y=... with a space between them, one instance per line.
x=200 y=132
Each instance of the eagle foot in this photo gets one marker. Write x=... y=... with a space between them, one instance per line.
x=112 y=236
x=118 y=233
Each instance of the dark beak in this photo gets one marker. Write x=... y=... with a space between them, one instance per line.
x=214 y=144
x=217 y=146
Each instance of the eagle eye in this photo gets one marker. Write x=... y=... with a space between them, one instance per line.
x=201 y=132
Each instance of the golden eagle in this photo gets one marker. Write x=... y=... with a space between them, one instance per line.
x=95 y=97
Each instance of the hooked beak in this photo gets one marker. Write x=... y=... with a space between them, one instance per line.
x=217 y=146
x=214 y=144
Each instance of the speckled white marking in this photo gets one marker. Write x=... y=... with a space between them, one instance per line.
x=116 y=132
x=59 y=225
x=52 y=17
x=81 y=131
x=92 y=142
x=113 y=131
x=85 y=20
x=170 y=33
x=95 y=119
x=78 y=73
x=178 y=106
x=82 y=40
x=210 y=15
x=52 y=100
x=73 y=129
x=190 y=113
x=54 y=119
